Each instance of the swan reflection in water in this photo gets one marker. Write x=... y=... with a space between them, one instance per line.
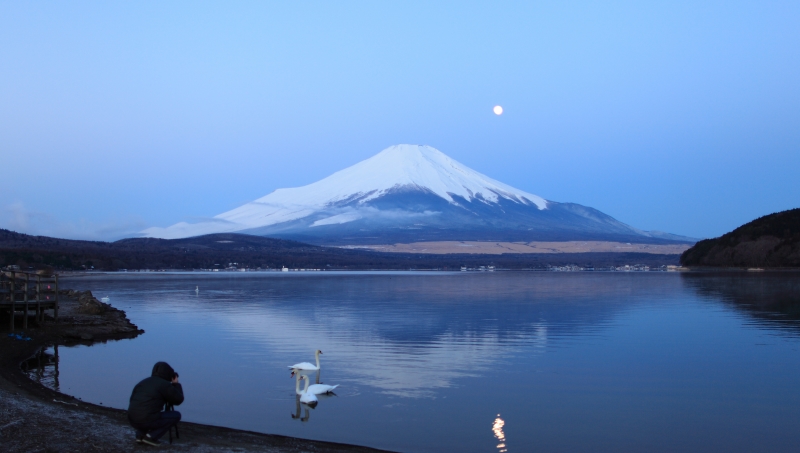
x=310 y=395
x=497 y=428
x=296 y=415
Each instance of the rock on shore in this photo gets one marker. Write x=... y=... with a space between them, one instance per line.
x=90 y=318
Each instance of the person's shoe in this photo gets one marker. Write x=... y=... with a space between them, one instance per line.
x=150 y=441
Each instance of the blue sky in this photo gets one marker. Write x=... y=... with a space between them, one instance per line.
x=677 y=116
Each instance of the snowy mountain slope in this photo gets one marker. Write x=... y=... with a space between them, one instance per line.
x=392 y=169
x=407 y=192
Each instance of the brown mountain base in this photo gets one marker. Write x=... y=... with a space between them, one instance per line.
x=498 y=248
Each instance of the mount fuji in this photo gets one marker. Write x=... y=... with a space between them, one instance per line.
x=412 y=193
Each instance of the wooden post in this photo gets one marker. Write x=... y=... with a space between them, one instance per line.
x=55 y=310
x=25 y=299
x=41 y=363
x=11 y=295
x=55 y=375
x=39 y=314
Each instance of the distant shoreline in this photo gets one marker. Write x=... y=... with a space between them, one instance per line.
x=223 y=251
x=681 y=269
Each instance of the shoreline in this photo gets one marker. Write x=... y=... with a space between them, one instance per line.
x=34 y=417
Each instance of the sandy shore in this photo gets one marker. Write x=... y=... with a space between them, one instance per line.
x=34 y=418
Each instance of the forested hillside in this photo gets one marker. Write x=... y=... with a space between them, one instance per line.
x=771 y=241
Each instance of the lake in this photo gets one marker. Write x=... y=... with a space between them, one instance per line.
x=469 y=362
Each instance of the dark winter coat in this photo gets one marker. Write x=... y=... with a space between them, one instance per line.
x=150 y=395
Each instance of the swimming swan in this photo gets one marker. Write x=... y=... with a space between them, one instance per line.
x=305 y=396
x=308 y=366
x=316 y=389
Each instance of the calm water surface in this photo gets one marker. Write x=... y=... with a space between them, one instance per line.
x=469 y=362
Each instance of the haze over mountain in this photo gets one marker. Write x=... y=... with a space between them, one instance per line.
x=412 y=193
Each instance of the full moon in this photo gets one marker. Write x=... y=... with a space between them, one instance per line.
x=497 y=110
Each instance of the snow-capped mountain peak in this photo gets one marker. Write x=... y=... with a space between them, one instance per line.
x=397 y=168
x=411 y=193
x=400 y=166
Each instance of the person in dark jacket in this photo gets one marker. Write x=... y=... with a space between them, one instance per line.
x=147 y=399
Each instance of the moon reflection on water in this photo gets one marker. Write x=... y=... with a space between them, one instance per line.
x=497 y=428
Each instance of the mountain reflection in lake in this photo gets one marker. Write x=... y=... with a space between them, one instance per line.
x=428 y=361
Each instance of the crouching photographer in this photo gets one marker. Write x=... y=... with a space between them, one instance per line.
x=160 y=390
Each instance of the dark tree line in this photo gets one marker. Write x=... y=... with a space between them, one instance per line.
x=246 y=251
x=769 y=241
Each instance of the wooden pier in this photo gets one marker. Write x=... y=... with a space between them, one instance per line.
x=24 y=292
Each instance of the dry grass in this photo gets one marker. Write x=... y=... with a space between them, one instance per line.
x=498 y=248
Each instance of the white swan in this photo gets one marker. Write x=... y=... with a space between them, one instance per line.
x=305 y=366
x=316 y=389
x=305 y=396
x=197 y=289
